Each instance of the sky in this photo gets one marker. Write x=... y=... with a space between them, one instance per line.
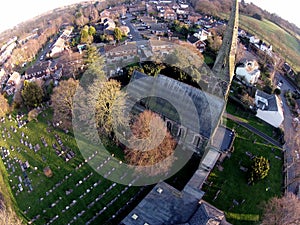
x=16 y=11
x=287 y=9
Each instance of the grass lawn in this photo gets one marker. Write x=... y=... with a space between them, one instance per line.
x=231 y=183
x=250 y=119
x=38 y=201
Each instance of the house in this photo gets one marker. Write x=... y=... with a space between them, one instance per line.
x=13 y=82
x=43 y=70
x=196 y=42
x=161 y=47
x=264 y=47
x=14 y=79
x=118 y=11
x=57 y=74
x=3 y=77
x=194 y=17
x=242 y=33
x=159 y=29
x=254 y=40
x=202 y=34
x=169 y=14
x=37 y=71
x=269 y=108
x=105 y=13
x=108 y=23
x=138 y=7
x=286 y=67
x=126 y=52
x=114 y=12
x=248 y=72
x=58 y=47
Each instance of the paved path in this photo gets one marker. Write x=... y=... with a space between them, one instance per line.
x=253 y=129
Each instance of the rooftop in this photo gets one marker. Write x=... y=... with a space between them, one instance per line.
x=271 y=99
x=163 y=205
x=207 y=107
x=223 y=138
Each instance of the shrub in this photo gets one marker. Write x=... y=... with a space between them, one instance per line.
x=277 y=91
x=259 y=169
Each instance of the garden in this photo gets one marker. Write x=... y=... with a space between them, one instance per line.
x=230 y=190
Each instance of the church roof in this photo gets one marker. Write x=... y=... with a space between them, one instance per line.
x=177 y=101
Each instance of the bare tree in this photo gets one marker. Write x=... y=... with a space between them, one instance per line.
x=282 y=211
x=62 y=102
x=147 y=130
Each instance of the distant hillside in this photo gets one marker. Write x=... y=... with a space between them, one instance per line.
x=284 y=36
x=282 y=41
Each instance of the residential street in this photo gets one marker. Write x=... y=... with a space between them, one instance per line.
x=292 y=164
x=136 y=36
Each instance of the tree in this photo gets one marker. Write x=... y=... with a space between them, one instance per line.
x=117 y=34
x=84 y=35
x=109 y=106
x=92 y=55
x=277 y=91
x=32 y=94
x=18 y=100
x=4 y=107
x=259 y=169
x=247 y=100
x=92 y=31
x=257 y=16
x=62 y=101
x=214 y=42
x=33 y=114
x=283 y=211
x=151 y=143
x=87 y=34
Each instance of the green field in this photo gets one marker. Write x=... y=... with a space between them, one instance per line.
x=49 y=198
x=232 y=185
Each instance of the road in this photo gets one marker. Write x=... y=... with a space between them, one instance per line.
x=136 y=36
x=292 y=164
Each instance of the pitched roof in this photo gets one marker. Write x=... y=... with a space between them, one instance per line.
x=207 y=215
x=168 y=91
x=193 y=39
x=163 y=205
x=272 y=101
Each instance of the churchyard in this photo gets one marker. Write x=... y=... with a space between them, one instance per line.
x=50 y=182
x=227 y=187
